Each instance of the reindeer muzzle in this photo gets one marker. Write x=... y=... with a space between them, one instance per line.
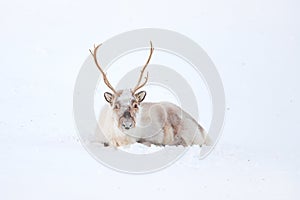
x=126 y=121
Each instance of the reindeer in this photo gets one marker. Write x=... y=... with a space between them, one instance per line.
x=128 y=119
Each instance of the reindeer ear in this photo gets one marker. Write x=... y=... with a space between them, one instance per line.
x=140 y=96
x=108 y=97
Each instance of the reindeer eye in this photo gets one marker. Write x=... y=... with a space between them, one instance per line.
x=117 y=106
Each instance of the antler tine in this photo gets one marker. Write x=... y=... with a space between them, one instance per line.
x=143 y=84
x=94 y=54
x=138 y=86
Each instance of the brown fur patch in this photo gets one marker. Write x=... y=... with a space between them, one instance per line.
x=174 y=120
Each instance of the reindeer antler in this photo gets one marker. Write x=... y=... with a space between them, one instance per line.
x=101 y=70
x=139 y=85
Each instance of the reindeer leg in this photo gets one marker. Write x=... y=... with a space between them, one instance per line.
x=144 y=142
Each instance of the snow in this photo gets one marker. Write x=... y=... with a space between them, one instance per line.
x=140 y=149
x=255 y=46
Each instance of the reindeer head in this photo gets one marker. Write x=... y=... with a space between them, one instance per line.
x=124 y=103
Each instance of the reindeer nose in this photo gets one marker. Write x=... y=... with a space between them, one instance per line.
x=127 y=125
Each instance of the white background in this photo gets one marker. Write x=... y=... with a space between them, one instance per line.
x=255 y=46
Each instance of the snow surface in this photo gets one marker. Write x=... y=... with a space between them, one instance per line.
x=255 y=46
